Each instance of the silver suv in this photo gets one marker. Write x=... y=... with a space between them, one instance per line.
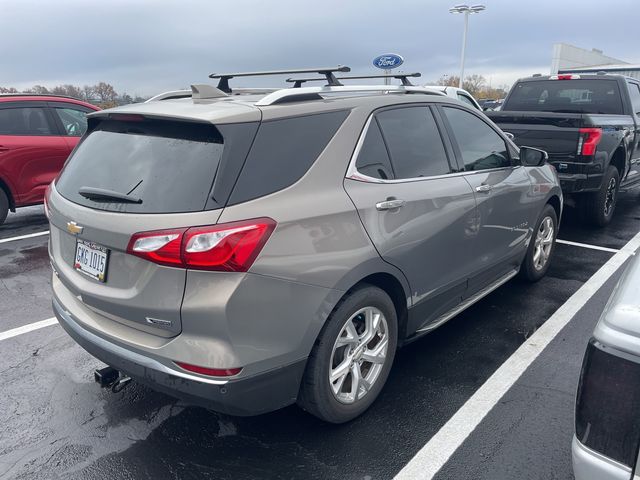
x=247 y=251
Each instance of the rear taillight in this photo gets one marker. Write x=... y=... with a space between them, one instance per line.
x=162 y=246
x=589 y=140
x=211 y=372
x=228 y=247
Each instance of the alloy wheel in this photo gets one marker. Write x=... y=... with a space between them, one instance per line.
x=359 y=354
x=610 y=198
x=543 y=243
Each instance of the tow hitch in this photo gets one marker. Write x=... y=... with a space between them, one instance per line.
x=109 y=377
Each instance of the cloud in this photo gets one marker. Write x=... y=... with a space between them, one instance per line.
x=147 y=46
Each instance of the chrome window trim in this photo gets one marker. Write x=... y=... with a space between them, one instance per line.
x=354 y=174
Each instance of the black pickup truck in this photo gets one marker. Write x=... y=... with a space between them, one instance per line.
x=590 y=127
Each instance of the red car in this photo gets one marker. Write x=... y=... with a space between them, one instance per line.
x=37 y=134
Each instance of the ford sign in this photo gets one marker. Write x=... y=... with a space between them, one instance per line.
x=388 y=61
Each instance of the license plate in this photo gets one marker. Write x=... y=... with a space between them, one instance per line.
x=91 y=259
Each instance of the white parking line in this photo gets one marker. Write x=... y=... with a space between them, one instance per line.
x=14 y=332
x=22 y=237
x=430 y=459
x=586 y=245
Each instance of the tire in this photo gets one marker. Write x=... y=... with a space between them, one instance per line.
x=538 y=258
x=4 y=206
x=598 y=207
x=340 y=402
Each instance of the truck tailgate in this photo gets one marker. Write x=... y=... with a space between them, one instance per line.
x=556 y=133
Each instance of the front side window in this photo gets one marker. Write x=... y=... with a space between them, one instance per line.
x=73 y=120
x=414 y=143
x=480 y=146
x=634 y=91
x=28 y=121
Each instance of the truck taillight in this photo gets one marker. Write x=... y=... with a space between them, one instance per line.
x=228 y=247
x=564 y=76
x=589 y=140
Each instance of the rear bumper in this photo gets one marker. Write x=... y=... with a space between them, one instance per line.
x=589 y=465
x=253 y=395
x=580 y=182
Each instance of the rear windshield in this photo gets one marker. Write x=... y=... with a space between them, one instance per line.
x=169 y=166
x=566 y=96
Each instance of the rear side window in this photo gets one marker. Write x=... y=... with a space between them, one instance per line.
x=373 y=159
x=414 y=142
x=566 y=96
x=282 y=152
x=24 y=121
x=480 y=146
x=74 y=121
x=170 y=166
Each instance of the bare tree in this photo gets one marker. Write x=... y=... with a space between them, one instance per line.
x=448 y=80
x=105 y=92
x=474 y=84
x=38 y=89
x=8 y=90
x=68 y=90
x=88 y=92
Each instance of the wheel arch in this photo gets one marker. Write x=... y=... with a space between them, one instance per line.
x=7 y=190
x=556 y=203
x=619 y=160
x=388 y=278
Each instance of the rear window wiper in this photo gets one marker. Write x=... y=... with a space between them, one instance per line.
x=102 y=194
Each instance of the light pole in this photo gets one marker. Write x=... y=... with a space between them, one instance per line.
x=466 y=9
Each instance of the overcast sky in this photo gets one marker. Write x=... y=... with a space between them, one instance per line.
x=147 y=46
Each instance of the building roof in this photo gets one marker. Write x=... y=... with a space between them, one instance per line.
x=605 y=68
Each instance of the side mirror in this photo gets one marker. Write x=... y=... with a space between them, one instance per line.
x=533 y=157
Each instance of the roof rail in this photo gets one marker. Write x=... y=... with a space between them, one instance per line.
x=403 y=77
x=23 y=94
x=328 y=72
x=306 y=93
x=170 y=95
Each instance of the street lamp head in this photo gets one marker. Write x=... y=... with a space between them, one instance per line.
x=462 y=8
x=459 y=8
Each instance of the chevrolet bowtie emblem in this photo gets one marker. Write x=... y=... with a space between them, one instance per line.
x=74 y=228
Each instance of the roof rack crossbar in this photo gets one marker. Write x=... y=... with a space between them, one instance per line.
x=403 y=77
x=328 y=72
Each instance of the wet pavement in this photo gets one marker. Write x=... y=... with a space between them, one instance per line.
x=57 y=423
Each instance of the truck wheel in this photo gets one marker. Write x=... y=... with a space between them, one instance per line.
x=598 y=207
x=4 y=206
x=541 y=247
x=352 y=357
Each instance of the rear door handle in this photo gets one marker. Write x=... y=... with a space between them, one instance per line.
x=484 y=188
x=389 y=204
x=4 y=149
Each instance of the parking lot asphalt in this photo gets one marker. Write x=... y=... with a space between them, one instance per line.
x=57 y=423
